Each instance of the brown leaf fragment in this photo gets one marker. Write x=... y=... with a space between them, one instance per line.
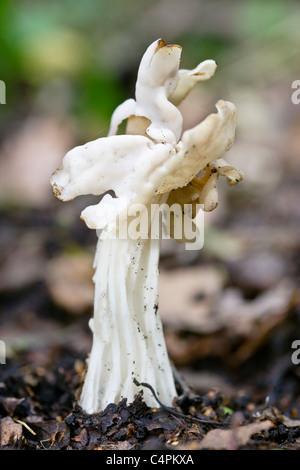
x=120 y=445
x=9 y=431
x=82 y=438
x=159 y=420
x=69 y=280
x=10 y=404
x=28 y=157
x=230 y=439
x=274 y=414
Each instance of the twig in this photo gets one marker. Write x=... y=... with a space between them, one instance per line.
x=171 y=410
x=25 y=426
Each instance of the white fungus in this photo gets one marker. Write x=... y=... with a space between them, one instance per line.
x=153 y=163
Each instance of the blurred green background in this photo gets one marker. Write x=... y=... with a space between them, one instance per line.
x=76 y=61
x=80 y=58
x=66 y=65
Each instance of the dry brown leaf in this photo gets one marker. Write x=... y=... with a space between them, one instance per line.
x=22 y=264
x=82 y=437
x=231 y=439
x=218 y=321
x=51 y=434
x=275 y=414
x=69 y=280
x=187 y=296
x=9 y=431
x=29 y=157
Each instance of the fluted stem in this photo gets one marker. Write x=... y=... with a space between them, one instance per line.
x=128 y=340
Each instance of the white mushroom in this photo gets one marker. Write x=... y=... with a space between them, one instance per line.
x=153 y=163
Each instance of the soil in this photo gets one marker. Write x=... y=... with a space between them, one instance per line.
x=38 y=410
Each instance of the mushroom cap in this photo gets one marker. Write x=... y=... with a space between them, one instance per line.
x=154 y=157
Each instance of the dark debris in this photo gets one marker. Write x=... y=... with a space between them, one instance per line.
x=38 y=411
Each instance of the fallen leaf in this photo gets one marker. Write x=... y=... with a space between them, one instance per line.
x=275 y=414
x=82 y=438
x=9 y=431
x=69 y=280
x=231 y=439
x=188 y=295
x=51 y=434
x=27 y=159
x=222 y=322
x=22 y=263
x=258 y=272
x=193 y=299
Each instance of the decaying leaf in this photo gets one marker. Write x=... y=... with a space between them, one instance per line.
x=10 y=403
x=51 y=434
x=217 y=320
x=187 y=296
x=69 y=280
x=27 y=159
x=274 y=414
x=194 y=299
x=231 y=439
x=9 y=431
